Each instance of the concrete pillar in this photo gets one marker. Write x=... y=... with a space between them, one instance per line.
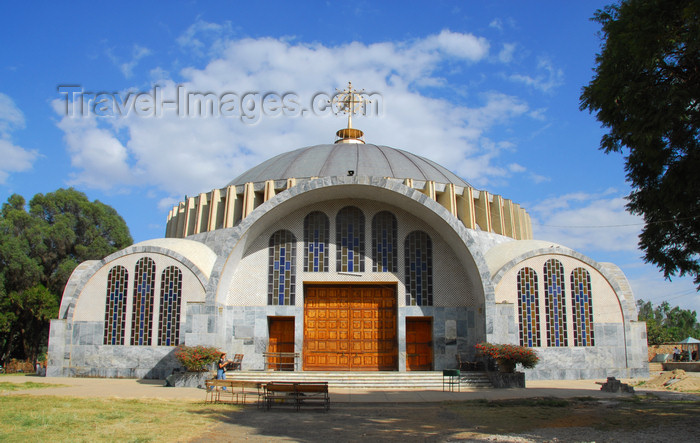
x=269 y=190
x=465 y=208
x=508 y=218
x=214 y=209
x=497 y=215
x=201 y=216
x=448 y=199
x=248 y=199
x=181 y=214
x=482 y=211
x=230 y=207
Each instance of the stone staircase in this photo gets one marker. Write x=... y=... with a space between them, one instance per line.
x=655 y=367
x=419 y=380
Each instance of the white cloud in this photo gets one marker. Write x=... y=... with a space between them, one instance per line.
x=186 y=155
x=203 y=35
x=127 y=68
x=548 y=79
x=587 y=222
x=506 y=54
x=648 y=284
x=14 y=158
x=11 y=117
x=465 y=46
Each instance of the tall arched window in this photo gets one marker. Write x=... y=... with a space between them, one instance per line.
x=582 y=307
x=316 y=233
x=281 y=285
x=528 y=308
x=384 y=237
x=350 y=240
x=170 y=303
x=115 y=307
x=554 y=299
x=418 y=267
x=142 y=309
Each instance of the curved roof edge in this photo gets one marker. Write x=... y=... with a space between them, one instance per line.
x=365 y=160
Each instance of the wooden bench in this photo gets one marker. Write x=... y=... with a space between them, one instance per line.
x=297 y=394
x=465 y=365
x=232 y=391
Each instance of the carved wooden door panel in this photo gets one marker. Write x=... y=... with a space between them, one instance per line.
x=419 y=343
x=350 y=328
x=281 y=339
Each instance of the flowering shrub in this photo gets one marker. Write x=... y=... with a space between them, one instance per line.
x=508 y=354
x=197 y=358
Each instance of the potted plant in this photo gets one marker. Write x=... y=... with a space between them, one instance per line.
x=197 y=358
x=507 y=356
x=197 y=361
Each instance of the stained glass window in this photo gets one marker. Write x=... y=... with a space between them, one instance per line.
x=316 y=233
x=142 y=310
x=554 y=299
x=384 y=254
x=418 y=266
x=350 y=240
x=115 y=308
x=282 y=269
x=582 y=305
x=528 y=308
x=170 y=303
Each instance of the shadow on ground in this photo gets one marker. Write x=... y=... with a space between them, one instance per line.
x=524 y=420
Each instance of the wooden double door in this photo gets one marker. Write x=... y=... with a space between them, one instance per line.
x=350 y=328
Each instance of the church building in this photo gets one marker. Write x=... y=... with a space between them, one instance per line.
x=355 y=257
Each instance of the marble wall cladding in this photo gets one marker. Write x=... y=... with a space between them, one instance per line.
x=118 y=362
x=608 y=358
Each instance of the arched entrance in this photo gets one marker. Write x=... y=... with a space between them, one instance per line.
x=350 y=328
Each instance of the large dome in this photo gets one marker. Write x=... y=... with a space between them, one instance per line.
x=330 y=160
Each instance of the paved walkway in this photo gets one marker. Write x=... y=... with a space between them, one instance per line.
x=156 y=389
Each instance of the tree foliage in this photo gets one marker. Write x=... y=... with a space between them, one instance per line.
x=666 y=324
x=39 y=249
x=646 y=93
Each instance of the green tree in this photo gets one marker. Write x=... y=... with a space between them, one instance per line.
x=646 y=93
x=39 y=249
x=666 y=324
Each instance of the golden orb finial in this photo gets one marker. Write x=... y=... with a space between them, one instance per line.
x=349 y=101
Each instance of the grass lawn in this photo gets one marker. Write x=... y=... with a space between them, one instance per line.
x=47 y=418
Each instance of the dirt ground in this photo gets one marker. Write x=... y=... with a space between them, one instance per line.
x=677 y=380
x=628 y=419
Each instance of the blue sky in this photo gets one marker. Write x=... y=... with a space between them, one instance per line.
x=488 y=89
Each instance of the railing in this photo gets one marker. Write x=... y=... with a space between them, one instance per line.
x=281 y=361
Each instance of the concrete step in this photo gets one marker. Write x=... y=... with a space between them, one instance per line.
x=427 y=380
x=655 y=367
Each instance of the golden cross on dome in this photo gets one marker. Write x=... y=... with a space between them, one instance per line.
x=350 y=101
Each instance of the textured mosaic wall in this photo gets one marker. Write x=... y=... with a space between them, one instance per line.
x=450 y=284
x=601 y=298
x=316 y=239
x=115 y=308
x=554 y=303
x=281 y=272
x=582 y=302
x=418 y=269
x=528 y=307
x=140 y=309
x=171 y=306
